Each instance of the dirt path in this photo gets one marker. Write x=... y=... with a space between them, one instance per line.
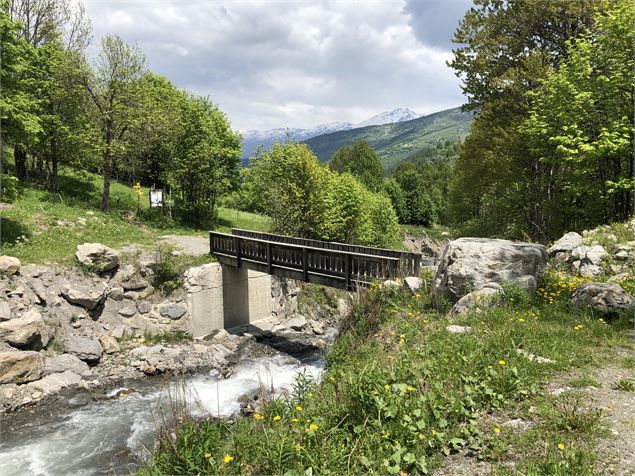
x=191 y=245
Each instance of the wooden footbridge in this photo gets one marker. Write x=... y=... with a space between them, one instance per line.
x=337 y=265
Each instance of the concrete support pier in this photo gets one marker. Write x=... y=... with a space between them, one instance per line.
x=220 y=297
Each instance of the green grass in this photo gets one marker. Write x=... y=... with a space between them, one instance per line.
x=585 y=380
x=42 y=227
x=400 y=393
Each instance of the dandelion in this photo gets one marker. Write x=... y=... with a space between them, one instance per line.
x=313 y=427
x=298 y=408
x=228 y=459
x=426 y=321
x=208 y=455
x=258 y=416
x=294 y=420
x=497 y=430
x=277 y=418
x=561 y=446
x=410 y=388
x=502 y=362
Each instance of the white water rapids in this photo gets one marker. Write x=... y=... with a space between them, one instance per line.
x=79 y=436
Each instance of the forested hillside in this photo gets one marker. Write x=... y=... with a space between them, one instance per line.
x=400 y=141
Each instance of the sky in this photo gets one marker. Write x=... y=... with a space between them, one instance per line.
x=285 y=63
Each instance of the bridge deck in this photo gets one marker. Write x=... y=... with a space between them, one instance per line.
x=331 y=264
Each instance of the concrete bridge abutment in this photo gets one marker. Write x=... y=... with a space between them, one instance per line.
x=220 y=297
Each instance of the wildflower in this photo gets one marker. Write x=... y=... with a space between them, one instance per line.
x=208 y=455
x=258 y=416
x=521 y=320
x=297 y=447
x=310 y=395
x=502 y=362
x=332 y=379
x=228 y=458
x=298 y=408
x=560 y=446
x=402 y=336
x=410 y=388
x=497 y=430
x=277 y=418
x=313 y=427
x=294 y=420
x=426 y=321
x=386 y=387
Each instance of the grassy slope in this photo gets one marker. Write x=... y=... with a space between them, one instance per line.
x=401 y=392
x=51 y=230
x=396 y=142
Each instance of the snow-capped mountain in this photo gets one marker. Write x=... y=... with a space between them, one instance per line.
x=266 y=139
x=390 y=117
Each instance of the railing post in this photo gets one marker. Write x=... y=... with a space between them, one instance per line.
x=305 y=264
x=347 y=271
x=269 y=258
x=237 y=246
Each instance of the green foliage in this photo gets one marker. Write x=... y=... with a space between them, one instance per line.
x=205 y=164
x=9 y=188
x=423 y=200
x=625 y=385
x=580 y=125
x=500 y=186
x=397 y=198
x=362 y=162
x=400 y=393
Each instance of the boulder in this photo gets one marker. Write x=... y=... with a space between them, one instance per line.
x=489 y=295
x=296 y=322
x=5 y=311
x=87 y=349
x=130 y=279
x=20 y=367
x=595 y=254
x=98 y=257
x=467 y=264
x=63 y=362
x=344 y=308
x=81 y=295
x=9 y=265
x=29 y=331
x=590 y=270
x=602 y=297
x=173 y=311
x=566 y=244
x=144 y=307
x=109 y=344
x=128 y=311
x=412 y=283
x=316 y=326
x=53 y=383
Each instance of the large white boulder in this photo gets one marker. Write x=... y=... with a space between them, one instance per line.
x=468 y=264
x=86 y=349
x=566 y=244
x=98 y=257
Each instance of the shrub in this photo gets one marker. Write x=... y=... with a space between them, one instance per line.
x=9 y=188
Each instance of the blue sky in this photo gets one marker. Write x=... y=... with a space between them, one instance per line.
x=295 y=63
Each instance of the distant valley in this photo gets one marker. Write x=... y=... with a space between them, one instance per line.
x=396 y=135
x=253 y=139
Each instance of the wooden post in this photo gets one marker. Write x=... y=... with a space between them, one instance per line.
x=305 y=264
x=347 y=271
x=269 y=258
x=237 y=247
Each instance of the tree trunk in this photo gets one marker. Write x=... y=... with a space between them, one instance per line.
x=53 y=177
x=19 y=154
x=105 y=197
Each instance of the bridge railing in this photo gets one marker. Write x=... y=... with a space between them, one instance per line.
x=332 y=267
x=410 y=261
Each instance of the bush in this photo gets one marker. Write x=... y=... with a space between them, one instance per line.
x=9 y=188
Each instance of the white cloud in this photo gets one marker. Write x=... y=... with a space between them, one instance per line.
x=289 y=63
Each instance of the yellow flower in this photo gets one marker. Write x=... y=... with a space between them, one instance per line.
x=277 y=418
x=410 y=388
x=208 y=455
x=332 y=379
x=228 y=459
x=258 y=416
x=560 y=446
x=497 y=430
x=298 y=408
x=425 y=321
x=294 y=420
x=521 y=320
x=502 y=362
x=313 y=427
x=386 y=387
x=297 y=447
